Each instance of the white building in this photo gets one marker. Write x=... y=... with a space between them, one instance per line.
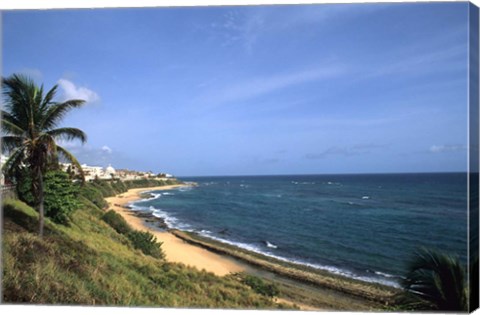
x=92 y=172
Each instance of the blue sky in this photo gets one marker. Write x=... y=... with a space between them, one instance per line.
x=347 y=88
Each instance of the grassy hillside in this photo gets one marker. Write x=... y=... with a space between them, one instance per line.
x=90 y=263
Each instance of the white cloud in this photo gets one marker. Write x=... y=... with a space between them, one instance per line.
x=73 y=92
x=106 y=149
x=447 y=148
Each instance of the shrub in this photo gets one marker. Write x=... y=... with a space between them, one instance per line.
x=147 y=243
x=94 y=195
x=144 y=241
x=59 y=192
x=118 y=186
x=60 y=196
x=117 y=222
x=260 y=286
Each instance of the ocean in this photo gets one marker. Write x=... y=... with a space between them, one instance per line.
x=365 y=227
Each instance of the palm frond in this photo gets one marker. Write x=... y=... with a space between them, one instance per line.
x=10 y=125
x=48 y=99
x=57 y=111
x=436 y=280
x=11 y=142
x=68 y=133
x=18 y=90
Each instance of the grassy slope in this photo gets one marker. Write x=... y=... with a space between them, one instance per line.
x=89 y=263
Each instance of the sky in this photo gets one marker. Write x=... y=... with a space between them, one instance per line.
x=255 y=90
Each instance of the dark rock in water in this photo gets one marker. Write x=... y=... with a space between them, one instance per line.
x=142 y=214
x=163 y=225
x=146 y=195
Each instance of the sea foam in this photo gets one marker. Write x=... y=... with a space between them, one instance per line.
x=379 y=278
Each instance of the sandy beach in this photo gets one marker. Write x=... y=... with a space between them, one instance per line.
x=176 y=250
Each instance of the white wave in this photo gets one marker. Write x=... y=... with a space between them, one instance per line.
x=331 y=269
x=171 y=221
x=270 y=245
x=152 y=196
x=383 y=274
x=366 y=197
x=168 y=194
x=333 y=183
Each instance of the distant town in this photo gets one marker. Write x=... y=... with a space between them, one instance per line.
x=103 y=173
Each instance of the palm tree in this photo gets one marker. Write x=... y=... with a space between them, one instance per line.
x=435 y=281
x=29 y=132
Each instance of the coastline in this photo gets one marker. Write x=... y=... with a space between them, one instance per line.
x=321 y=289
x=176 y=250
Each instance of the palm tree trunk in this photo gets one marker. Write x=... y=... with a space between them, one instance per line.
x=41 y=210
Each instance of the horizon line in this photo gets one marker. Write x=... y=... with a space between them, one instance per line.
x=334 y=174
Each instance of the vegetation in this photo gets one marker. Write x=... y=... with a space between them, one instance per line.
x=260 y=286
x=147 y=243
x=90 y=263
x=60 y=195
x=117 y=222
x=435 y=281
x=29 y=125
x=144 y=241
x=95 y=196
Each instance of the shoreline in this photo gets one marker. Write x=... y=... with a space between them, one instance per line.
x=222 y=259
x=176 y=250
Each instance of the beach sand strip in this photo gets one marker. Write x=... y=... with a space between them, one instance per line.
x=176 y=250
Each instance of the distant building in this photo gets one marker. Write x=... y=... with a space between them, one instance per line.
x=92 y=172
x=109 y=172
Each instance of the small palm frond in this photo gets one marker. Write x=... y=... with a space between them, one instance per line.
x=435 y=280
x=48 y=99
x=68 y=134
x=10 y=124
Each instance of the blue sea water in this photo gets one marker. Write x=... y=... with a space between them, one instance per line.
x=362 y=226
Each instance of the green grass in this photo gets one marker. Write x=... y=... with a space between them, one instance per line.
x=89 y=263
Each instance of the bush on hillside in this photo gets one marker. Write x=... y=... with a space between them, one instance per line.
x=144 y=241
x=59 y=192
x=60 y=196
x=260 y=286
x=117 y=222
x=147 y=243
x=94 y=195
x=118 y=186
